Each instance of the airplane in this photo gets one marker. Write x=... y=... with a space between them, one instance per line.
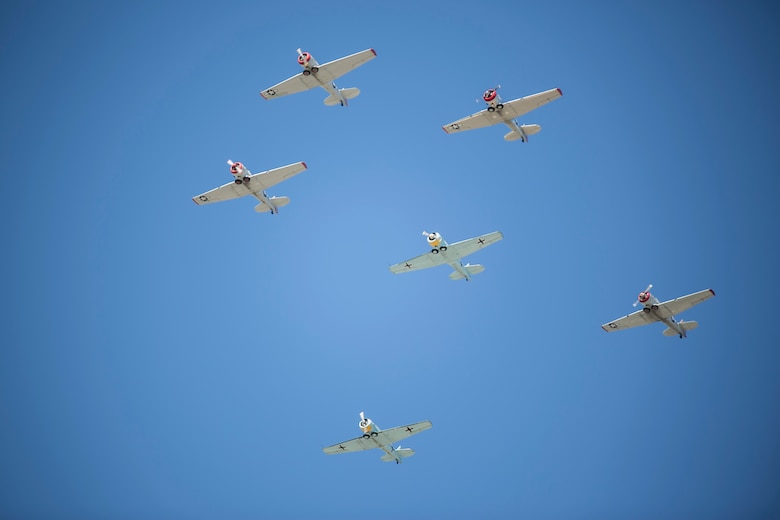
x=653 y=311
x=316 y=75
x=499 y=112
x=444 y=253
x=374 y=437
x=245 y=183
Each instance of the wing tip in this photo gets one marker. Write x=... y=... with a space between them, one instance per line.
x=373 y=51
x=262 y=96
x=713 y=292
x=304 y=165
x=445 y=130
x=560 y=92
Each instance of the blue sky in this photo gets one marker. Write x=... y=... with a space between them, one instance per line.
x=164 y=360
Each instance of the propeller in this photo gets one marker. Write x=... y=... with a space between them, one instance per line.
x=648 y=288
x=230 y=163
x=362 y=416
x=425 y=233
x=300 y=52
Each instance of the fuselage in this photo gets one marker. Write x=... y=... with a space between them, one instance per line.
x=371 y=433
x=650 y=305
x=440 y=246
x=311 y=67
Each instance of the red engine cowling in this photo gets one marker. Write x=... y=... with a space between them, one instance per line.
x=490 y=95
x=644 y=297
x=237 y=169
x=304 y=58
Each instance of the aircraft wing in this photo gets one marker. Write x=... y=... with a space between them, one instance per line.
x=522 y=106
x=293 y=85
x=670 y=308
x=335 y=69
x=481 y=119
x=418 y=262
x=383 y=438
x=394 y=435
x=257 y=182
x=466 y=247
x=359 y=444
x=634 y=319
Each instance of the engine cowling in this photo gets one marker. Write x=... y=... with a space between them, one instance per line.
x=434 y=239
x=237 y=169
x=366 y=424
x=490 y=95
x=644 y=297
x=303 y=59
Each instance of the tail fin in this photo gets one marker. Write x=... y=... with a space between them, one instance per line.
x=348 y=93
x=527 y=130
x=402 y=453
x=277 y=201
x=471 y=269
x=684 y=325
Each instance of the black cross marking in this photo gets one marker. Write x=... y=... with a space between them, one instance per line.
x=612 y=326
x=408 y=265
x=481 y=241
x=409 y=429
x=203 y=198
x=342 y=447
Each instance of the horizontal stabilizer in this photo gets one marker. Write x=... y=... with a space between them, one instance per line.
x=402 y=453
x=277 y=201
x=685 y=325
x=348 y=93
x=526 y=129
x=471 y=269
x=531 y=129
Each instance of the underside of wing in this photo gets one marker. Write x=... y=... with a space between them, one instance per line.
x=394 y=435
x=359 y=444
x=466 y=247
x=635 y=319
x=335 y=69
x=264 y=180
x=419 y=262
x=225 y=192
x=479 y=120
x=519 y=107
x=683 y=303
x=293 y=85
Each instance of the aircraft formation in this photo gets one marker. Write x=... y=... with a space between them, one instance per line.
x=314 y=75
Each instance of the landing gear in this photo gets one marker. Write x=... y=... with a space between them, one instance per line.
x=654 y=307
x=500 y=106
x=443 y=248
x=645 y=309
x=491 y=109
x=238 y=181
x=306 y=72
x=435 y=251
x=315 y=70
x=374 y=434
x=246 y=179
x=366 y=436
